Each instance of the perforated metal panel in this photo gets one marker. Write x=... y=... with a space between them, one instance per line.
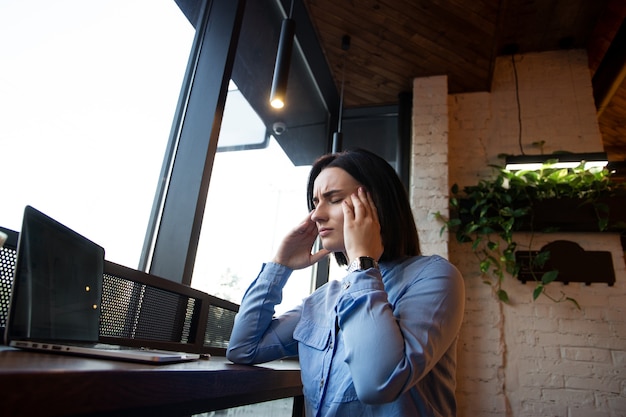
x=119 y=297
x=141 y=309
x=219 y=326
x=7 y=265
x=8 y=258
x=132 y=310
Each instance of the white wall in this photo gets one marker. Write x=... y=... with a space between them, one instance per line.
x=529 y=358
x=429 y=174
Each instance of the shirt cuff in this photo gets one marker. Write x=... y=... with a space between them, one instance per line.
x=275 y=274
x=369 y=280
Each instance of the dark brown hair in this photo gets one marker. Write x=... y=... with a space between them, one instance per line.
x=397 y=224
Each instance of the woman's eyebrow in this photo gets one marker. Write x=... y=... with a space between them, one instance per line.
x=327 y=195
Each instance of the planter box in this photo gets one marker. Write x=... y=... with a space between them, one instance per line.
x=575 y=215
x=567 y=215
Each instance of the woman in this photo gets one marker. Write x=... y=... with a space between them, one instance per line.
x=382 y=342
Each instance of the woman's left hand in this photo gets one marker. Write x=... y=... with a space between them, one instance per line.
x=361 y=228
x=295 y=250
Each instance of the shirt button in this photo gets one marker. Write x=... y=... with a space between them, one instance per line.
x=322 y=383
x=346 y=285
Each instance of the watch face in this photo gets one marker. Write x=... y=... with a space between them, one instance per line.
x=366 y=263
x=363 y=263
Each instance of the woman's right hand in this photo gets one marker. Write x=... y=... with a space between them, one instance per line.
x=295 y=250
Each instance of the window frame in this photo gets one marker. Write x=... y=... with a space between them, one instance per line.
x=173 y=232
x=174 y=227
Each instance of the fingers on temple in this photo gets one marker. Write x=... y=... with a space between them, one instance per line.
x=362 y=202
x=348 y=207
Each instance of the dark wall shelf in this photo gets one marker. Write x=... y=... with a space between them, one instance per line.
x=573 y=263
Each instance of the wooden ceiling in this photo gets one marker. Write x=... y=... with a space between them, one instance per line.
x=394 y=41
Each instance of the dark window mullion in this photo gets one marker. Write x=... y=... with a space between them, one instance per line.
x=181 y=219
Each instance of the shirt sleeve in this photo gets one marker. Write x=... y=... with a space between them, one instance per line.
x=258 y=336
x=390 y=348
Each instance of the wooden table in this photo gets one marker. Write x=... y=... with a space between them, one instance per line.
x=42 y=384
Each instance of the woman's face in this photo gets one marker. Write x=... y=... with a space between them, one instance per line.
x=331 y=187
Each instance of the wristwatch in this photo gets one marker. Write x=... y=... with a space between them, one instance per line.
x=362 y=263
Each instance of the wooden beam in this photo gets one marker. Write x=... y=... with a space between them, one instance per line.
x=611 y=72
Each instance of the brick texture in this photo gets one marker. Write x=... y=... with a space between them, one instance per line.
x=429 y=175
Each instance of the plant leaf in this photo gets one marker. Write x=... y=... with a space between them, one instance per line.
x=541 y=258
x=492 y=246
x=453 y=223
x=549 y=276
x=537 y=292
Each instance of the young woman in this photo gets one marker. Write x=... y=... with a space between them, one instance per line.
x=382 y=342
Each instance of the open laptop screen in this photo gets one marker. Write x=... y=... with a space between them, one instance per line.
x=58 y=282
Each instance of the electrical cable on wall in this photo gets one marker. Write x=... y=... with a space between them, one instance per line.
x=519 y=109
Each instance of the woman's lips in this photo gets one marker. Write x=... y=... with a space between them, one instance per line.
x=324 y=231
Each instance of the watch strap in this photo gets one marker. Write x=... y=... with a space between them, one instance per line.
x=362 y=263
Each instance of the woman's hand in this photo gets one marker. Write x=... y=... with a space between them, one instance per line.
x=361 y=228
x=295 y=249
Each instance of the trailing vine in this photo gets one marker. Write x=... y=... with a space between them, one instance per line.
x=487 y=215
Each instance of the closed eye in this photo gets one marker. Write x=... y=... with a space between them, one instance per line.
x=333 y=197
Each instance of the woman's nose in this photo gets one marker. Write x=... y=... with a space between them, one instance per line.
x=317 y=214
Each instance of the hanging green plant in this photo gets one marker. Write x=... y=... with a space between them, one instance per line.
x=487 y=215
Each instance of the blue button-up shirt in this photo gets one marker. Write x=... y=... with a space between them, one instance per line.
x=378 y=343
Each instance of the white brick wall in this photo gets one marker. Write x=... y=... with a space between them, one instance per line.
x=429 y=175
x=569 y=356
x=527 y=358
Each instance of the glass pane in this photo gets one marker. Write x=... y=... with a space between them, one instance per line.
x=88 y=92
x=276 y=408
x=234 y=134
x=255 y=197
x=336 y=272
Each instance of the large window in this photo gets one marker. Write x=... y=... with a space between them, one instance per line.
x=257 y=195
x=88 y=95
x=88 y=90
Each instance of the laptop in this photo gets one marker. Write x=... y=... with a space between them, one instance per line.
x=56 y=295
